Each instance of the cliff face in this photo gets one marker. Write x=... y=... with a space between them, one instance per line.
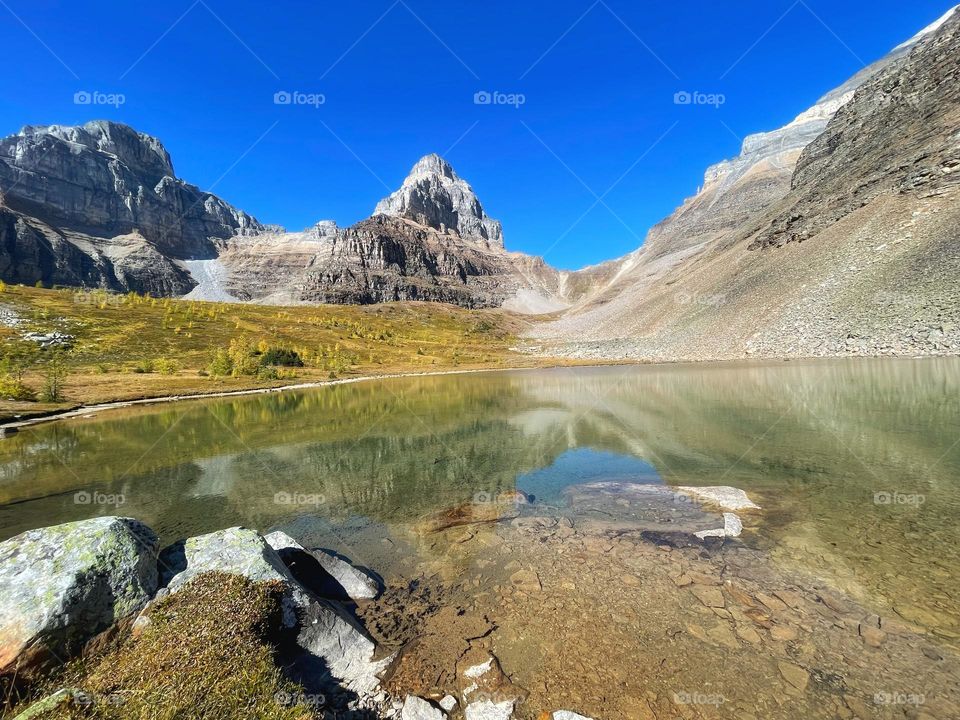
x=100 y=205
x=899 y=134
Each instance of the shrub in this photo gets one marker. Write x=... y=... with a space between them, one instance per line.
x=282 y=357
x=166 y=366
x=221 y=365
x=13 y=389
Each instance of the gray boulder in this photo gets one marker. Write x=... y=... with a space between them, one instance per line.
x=335 y=650
x=323 y=572
x=64 y=584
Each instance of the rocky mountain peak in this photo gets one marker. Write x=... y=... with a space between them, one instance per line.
x=433 y=164
x=144 y=154
x=434 y=195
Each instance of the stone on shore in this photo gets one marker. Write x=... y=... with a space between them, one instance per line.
x=723 y=496
x=415 y=708
x=322 y=572
x=63 y=585
x=333 y=643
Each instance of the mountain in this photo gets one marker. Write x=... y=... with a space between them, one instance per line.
x=431 y=240
x=434 y=195
x=99 y=205
x=865 y=177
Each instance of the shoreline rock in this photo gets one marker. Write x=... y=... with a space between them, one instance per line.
x=65 y=584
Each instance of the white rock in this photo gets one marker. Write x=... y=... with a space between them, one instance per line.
x=724 y=496
x=415 y=708
x=326 y=632
x=448 y=703
x=732 y=527
x=489 y=710
x=567 y=715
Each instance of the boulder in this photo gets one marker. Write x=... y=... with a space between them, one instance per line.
x=334 y=651
x=323 y=572
x=63 y=585
x=415 y=708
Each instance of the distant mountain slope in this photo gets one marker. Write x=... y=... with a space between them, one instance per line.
x=874 y=194
x=100 y=205
x=430 y=240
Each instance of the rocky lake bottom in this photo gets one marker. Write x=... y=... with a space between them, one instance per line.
x=550 y=519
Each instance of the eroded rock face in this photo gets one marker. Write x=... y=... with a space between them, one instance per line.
x=62 y=585
x=434 y=195
x=71 y=191
x=898 y=134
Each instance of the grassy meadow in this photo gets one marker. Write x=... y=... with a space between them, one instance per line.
x=129 y=346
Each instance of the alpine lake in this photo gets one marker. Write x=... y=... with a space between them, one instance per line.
x=841 y=597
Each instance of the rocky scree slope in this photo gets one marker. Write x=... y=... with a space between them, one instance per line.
x=873 y=192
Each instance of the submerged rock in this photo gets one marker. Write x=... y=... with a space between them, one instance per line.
x=323 y=572
x=64 y=584
x=732 y=527
x=487 y=692
x=723 y=496
x=478 y=513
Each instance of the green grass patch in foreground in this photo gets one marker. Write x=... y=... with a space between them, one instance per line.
x=206 y=655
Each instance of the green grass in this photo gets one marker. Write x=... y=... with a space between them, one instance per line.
x=207 y=654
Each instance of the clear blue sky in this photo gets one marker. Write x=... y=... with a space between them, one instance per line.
x=399 y=79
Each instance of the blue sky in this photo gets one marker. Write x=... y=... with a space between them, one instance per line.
x=596 y=154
